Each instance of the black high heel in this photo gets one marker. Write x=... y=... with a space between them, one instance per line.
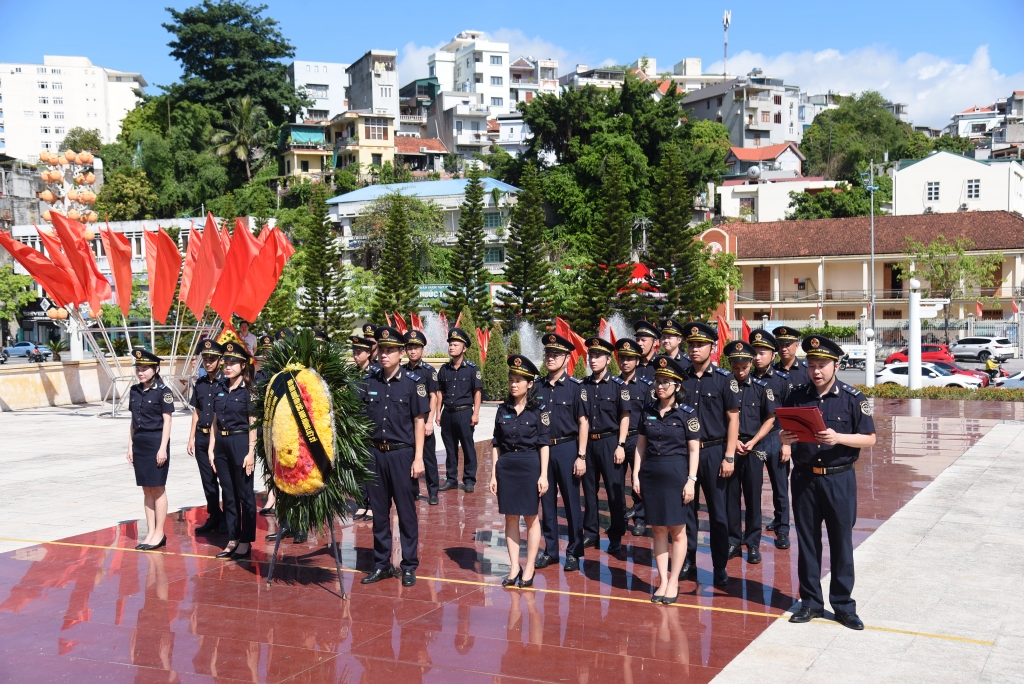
x=668 y=601
x=227 y=552
x=656 y=599
x=526 y=583
x=242 y=555
x=512 y=581
x=159 y=544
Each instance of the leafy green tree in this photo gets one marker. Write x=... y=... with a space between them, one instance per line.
x=953 y=143
x=469 y=279
x=670 y=240
x=227 y=51
x=244 y=132
x=345 y=180
x=611 y=268
x=80 y=138
x=704 y=149
x=127 y=195
x=15 y=292
x=362 y=286
x=714 y=275
x=527 y=269
x=581 y=371
x=843 y=202
x=426 y=224
x=495 y=371
x=451 y=162
x=398 y=289
x=324 y=302
x=387 y=173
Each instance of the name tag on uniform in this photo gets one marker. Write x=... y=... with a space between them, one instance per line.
x=373 y=394
x=221 y=394
x=652 y=418
x=508 y=415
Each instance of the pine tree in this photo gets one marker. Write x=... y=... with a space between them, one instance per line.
x=514 y=345
x=470 y=281
x=324 y=303
x=610 y=266
x=527 y=269
x=468 y=324
x=496 y=366
x=398 y=290
x=670 y=242
x=581 y=371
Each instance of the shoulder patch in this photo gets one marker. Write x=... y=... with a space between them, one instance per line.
x=469 y=363
x=853 y=390
x=573 y=378
x=693 y=425
x=865 y=407
x=168 y=398
x=734 y=386
x=433 y=375
x=646 y=379
x=545 y=418
x=771 y=395
x=687 y=408
x=413 y=376
x=583 y=394
x=421 y=390
x=479 y=375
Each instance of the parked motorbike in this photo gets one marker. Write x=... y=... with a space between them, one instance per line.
x=35 y=356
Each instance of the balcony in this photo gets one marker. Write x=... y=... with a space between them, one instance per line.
x=828 y=295
x=340 y=143
x=757 y=125
x=413 y=119
x=323 y=146
x=523 y=81
x=472 y=138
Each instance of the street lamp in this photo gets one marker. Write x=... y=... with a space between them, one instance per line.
x=871 y=187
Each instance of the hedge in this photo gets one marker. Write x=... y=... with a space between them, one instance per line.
x=892 y=391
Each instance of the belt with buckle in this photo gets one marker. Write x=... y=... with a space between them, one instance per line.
x=601 y=435
x=204 y=430
x=229 y=433
x=828 y=471
x=632 y=433
x=458 y=408
x=382 y=445
x=711 y=442
x=561 y=440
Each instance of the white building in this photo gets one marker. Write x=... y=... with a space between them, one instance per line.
x=472 y=63
x=600 y=77
x=944 y=182
x=974 y=122
x=459 y=120
x=528 y=77
x=39 y=103
x=324 y=83
x=373 y=83
x=767 y=200
x=687 y=74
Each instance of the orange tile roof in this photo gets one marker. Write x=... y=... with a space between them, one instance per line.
x=766 y=153
x=492 y=126
x=407 y=145
x=977 y=110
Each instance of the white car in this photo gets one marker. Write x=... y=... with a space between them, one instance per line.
x=982 y=348
x=931 y=376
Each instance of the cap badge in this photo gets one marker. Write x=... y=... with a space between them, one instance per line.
x=739 y=346
x=693 y=331
x=385 y=334
x=138 y=354
x=815 y=343
x=625 y=346
x=663 y=363
x=758 y=337
x=517 y=362
x=207 y=344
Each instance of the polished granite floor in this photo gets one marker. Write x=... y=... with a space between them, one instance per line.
x=90 y=607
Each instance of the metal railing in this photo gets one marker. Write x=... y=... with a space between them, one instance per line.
x=827 y=295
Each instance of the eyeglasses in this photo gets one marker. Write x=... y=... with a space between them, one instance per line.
x=662 y=383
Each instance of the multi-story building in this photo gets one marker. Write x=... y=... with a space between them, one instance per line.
x=529 y=77
x=974 y=122
x=757 y=110
x=305 y=150
x=766 y=199
x=373 y=83
x=687 y=74
x=40 y=103
x=898 y=109
x=459 y=120
x=324 y=83
x=415 y=100
x=601 y=77
x=420 y=154
x=363 y=138
x=946 y=183
x=472 y=63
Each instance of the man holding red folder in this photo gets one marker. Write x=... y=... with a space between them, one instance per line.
x=824 y=482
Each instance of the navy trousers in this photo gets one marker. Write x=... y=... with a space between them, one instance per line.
x=831 y=499
x=638 y=502
x=430 y=463
x=393 y=482
x=239 y=498
x=209 y=478
x=778 y=473
x=601 y=464
x=715 y=495
x=747 y=480
x=456 y=430
x=560 y=478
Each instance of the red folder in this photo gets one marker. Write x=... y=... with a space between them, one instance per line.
x=805 y=421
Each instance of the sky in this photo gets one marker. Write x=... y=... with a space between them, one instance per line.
x=939 y=57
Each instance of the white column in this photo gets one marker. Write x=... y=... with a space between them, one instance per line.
x=75 y=340
x=869 y=357
x=776 y=290
x=914 y=335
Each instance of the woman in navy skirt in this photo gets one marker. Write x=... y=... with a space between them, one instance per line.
x=665 y=471
x=519 y=465
x=233 y=449
x=151 y=405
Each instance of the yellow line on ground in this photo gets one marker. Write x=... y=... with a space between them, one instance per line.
x=735 y=611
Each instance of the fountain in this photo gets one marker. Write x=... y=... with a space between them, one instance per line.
x=530 y=343
x=437 y=335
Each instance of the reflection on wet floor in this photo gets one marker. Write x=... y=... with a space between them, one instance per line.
x=93 y=608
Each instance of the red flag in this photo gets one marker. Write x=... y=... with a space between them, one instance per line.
x=207 y=269
x=263 y=275
x=724 y=335
x=483 y=338
x=75 y=249
x=119 y=258
x=745 y=330
x=444 y=321
x=387 y=318
x=53 y=249
x=168 y=267
x=244 y=249
x=415 y=321
x=285 y=246
x=195 y=239
x=605 y=331
x=458 y=320
x=224 y=234
x=400 y=323
x=1016 y=309
x=57 y=282
x=977 y=309
x=562 y=328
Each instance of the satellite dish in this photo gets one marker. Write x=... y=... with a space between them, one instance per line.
x=754 y=172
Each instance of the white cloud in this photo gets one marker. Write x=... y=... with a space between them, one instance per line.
x=934 y=87
x=413 y=62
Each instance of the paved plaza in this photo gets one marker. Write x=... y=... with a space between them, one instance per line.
x=940 y=579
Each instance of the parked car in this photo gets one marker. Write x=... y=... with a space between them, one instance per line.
x=896 y=374
x=29 y=349
x=929 y=352
x=1015 y=381
x=982 y=348
x=960 y=370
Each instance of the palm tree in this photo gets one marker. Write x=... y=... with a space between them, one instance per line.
x=244 y=131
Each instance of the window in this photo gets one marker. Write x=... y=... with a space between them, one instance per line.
x=305 y=166
x=54 y=71
x=40 y=70
x=458 y=128
x=59 y=86
x=58 y=100
x=974 y=189
x=307 y=67
x=492 y=220
x=42 y=85
x=766 y=117
x=376 y=128
x=478 y=58
x=719 y=101
x=44 y=100
x=777 y=99
x=17 y=70
x=376 y=159
x=44 y=115
x=58 y=115
x=288 y=167
x=45 y=130
x=892 y=314
x=495 y=59
x=496 y=80
x=478 y=78
x=718 y=119
x=118 y=79
x=385 y=91
x=432 y=71
x=47 y=146
x=59 y=130
x=801 y=114
x=846 y=315
x=978 y=128
x=317 y=91
x=708 y=103
x=497 y=102
x=778 y=117
x=494 y=255
x=932 y=191
x=475 y=125
x=317 y=114
x=757 y=140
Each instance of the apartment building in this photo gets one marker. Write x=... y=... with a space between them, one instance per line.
x=528 y=77
x=687 y=74
x=40 y=103
x=373 y=83
x=415 y=99
x=974 y=122
x=459 y=120
x=324 y=83
x=948 y=183
x=600 y=77
x=472 y=63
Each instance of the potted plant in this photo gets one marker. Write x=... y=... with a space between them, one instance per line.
x=57 y=347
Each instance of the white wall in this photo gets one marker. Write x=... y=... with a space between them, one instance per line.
x=328 y=74
x=771 y=200
x=1002 y=185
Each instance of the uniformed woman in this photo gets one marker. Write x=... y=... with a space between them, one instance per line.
x=519 y=465
x=233 y=449
x=665 y=471
x=151 y=405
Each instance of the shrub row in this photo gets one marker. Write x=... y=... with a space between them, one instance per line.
x=892 y=391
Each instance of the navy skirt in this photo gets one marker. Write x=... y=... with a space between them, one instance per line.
x=662 y=479
x=144 y=447
x=517 y=473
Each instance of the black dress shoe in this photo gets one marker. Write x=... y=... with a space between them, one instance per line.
x=806 y=614
x=300 y=538
x=210 y=525
x=771 y=526
x=162 y=542
x=630 y=513
x=753 y=555
x=448 y=485
x=614 y=546
x=688 y=571
x=408 y=578
x=140 y=546
x=526 y=583
x=432 y=500
x=512 y=581
x=269 y=510
x=378 y=575
x=849 y=620
x=226 y=553
x=721 y=578
x=589 y=542
x=242 y=555
x=782 y=540
x=734 y=552
x=282 y=532
x=639 y=528
x=669 y=600
x=571 y=563
x=543 y=561
x=469 y=488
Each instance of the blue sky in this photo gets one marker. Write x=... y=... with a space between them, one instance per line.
x=937 y=56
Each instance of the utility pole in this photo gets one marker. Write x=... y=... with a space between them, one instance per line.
x=726 y=20
x=870 y=187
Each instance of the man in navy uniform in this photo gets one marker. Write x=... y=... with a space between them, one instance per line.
x=415 y=341
x=264 y=343
x=566 y=408
x=672 y=341
x=647 y=336
x=461 y=386
x=396 y=403
x=199 y=440
x=640 y=393
x=363 y=351
x=825 y=484
x=777 y=464
x=608 y=403
x=368 y=332
x=715 y=394
x=788 y=339
x=757 y=417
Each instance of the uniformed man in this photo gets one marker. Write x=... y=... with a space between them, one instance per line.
x=396 y=403
x=369 y=330
x=608 y=402
x=461 y=388
x=789 y=339
x=205 y=389
x=715 y=394
x=647 y=336
x=264 y=343
x=566 y=400
x=363 y=349
x=415 y=341
x=825 y=484
x=672 y=341
x=777 y=463
x=757 y=417
x=321 y=335
x=641 y=392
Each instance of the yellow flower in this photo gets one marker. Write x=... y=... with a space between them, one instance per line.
x=295 y=471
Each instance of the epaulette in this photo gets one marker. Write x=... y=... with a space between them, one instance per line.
x=469 y=363
x=616 y=378
x=573 y=378
x=541 y=407
x=803 y=387
x=852 y=390
x=644 y=378
x=781 y=373
x=687 y=408
x=759 y=381
x=415 y=378
x=719 y=369
x=804 y=364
